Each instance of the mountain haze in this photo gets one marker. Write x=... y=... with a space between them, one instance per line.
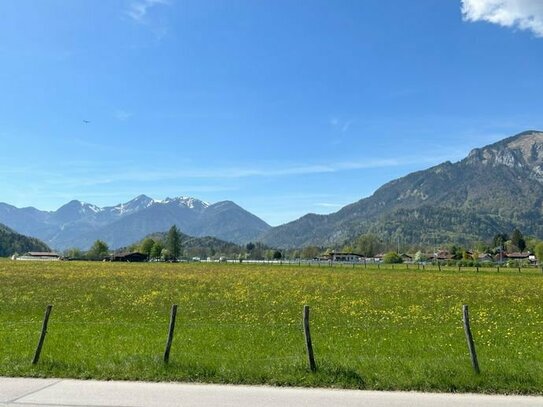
x=492 y=190
x=79 y=224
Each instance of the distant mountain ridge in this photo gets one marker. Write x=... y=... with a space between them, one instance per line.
x=79 y=224
x=492 y=190
x=12 y=242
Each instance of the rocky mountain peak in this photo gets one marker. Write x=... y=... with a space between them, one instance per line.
x=529 y=146
x=187 y=201
x=522 y=152
x=495 y=188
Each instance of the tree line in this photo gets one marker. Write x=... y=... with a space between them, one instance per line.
x=174 y=245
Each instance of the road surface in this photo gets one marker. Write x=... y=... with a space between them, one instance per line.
x=90 y=393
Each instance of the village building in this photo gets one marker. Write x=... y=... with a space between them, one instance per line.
x=503 y=256
x=343 y=256
x=39 y=256
x=485 y=257
x=443 y=255
x=517 y=256
x=132 y=257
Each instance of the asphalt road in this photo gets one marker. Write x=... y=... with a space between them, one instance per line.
x=90 y=393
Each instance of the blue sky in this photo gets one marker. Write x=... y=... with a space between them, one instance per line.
x=285 y=107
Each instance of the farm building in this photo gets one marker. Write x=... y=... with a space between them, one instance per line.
x=516 y=256
x=343 y=256
x=42 y=256
x=526 y=256
x=485 y=257
x=129 y=257
x=443 y=255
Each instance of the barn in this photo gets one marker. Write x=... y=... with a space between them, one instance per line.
x=132 y=257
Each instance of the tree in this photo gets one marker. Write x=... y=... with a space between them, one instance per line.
x=368 y=245
x=146 y=246
x=391 y=258
x=156 y=250
x=531 y=242
x=518 y=240
x=73 y=253
x=310 y=252
x=173 y=242
x=456 y=252
x=98 y=251
x=499 y=240
x=277 y=255
x=250 y=247
x=481 y=247
x=539 y=252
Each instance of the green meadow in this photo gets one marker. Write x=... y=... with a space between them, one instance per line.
x=372 y=329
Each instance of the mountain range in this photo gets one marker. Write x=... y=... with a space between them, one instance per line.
x=79 y=224
x=493 y=190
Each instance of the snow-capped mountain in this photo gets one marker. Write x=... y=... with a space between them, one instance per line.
x=187 y=201
x=79 y=224
x=136 y=204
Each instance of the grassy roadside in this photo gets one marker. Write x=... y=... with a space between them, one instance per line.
x=372 y=329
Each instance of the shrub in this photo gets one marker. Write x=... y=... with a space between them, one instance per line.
x=391 y=258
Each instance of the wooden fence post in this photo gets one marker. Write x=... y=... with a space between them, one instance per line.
x=173 y=314
x=308 y=343
x=469 y=339
x=42 y=335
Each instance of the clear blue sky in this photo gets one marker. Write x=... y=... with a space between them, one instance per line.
x=285 y=107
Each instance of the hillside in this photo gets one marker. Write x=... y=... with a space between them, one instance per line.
x=493 y=189
x=198 y=246
x=12 y=242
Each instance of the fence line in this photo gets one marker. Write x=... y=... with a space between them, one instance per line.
x=303 y=329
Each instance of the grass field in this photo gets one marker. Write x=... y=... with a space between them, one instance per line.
x=371 y=329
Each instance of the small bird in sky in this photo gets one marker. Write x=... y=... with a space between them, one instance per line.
x=86 y=121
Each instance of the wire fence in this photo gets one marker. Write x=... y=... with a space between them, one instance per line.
x=411 y=337
x=444 y=265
